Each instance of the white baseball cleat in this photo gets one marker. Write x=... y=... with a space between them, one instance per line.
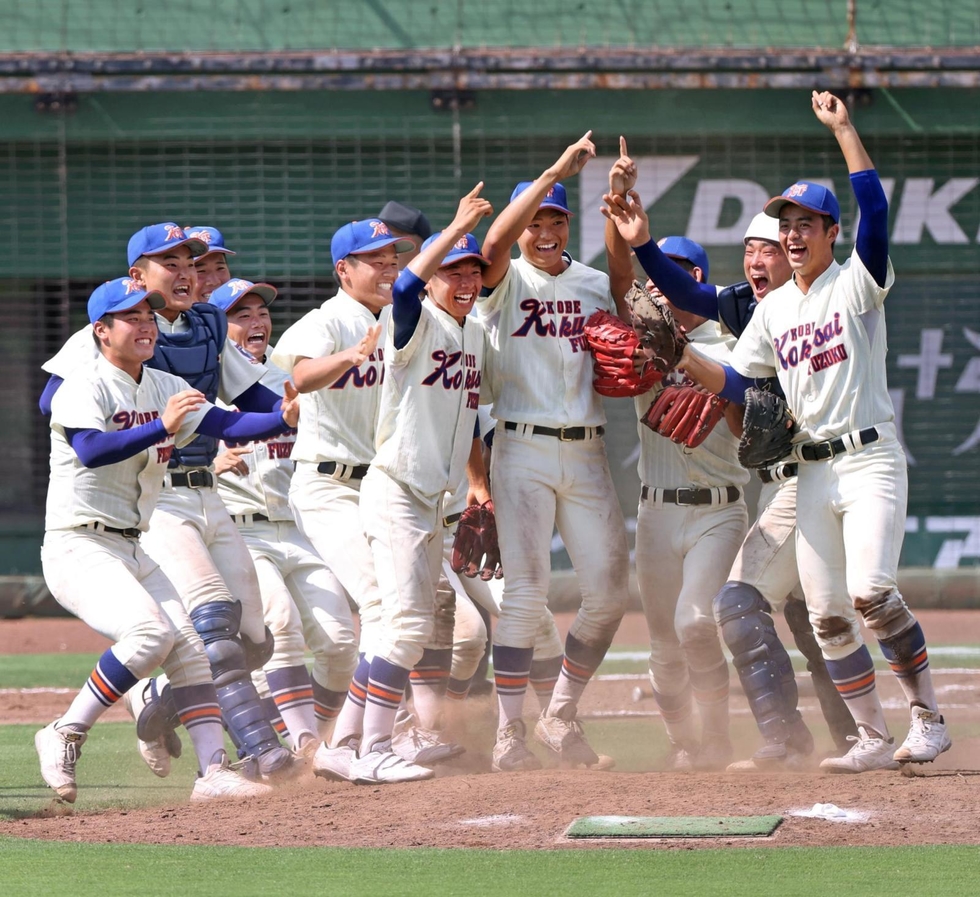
x=870 y=751
x=566 y=740
x=382 y=766
x=334 y=763
x=425 y=747
x=678 y=759
x=928 y=737
x=510 y=753
x=59 y=750
x=220 y=782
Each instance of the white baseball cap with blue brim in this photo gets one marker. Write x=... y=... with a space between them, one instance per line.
x=228 y=295
x=120 y=295
x=155 y=239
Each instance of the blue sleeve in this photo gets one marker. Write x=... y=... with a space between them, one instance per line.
x=238 y=428
x=44 y=403
x=676 y=284
x=872 y=236
x=406 y=307
x=476 y=428
x=735 y=385
x=258 y=398
x=96 y=448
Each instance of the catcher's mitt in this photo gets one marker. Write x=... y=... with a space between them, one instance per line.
x=613 y=344
x=767 y=429
x=685 y=415
x=661 y=337
x=475 y=549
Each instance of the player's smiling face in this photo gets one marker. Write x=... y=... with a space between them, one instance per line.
x=456 y=287
x=129 y=337
x=806 y=240
x=250 y=325
x=173 y=274
x=369 y=276
x=212 y=272
x=544 y=240
x=766 y=266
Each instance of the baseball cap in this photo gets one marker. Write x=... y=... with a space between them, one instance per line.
x=230 y=294
x=808 y=195
x=762 y=227
x=365 y=236
x=211 y=236
x=121 y=294
x=556 y=197
x=464 y=248
x=406 y=218
x=156 y=238
x=683 y=248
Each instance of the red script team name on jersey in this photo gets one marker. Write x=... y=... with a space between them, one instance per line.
x=373 y=376
x=807 y=337
x=129 y=419
x=562 y=319
x=450 y=374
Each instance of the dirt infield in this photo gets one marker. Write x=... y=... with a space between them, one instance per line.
x=468 y=807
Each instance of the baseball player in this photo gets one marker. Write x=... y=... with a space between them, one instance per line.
x=299 y=593
x=549 y=461
x=212 y=267
x=764 y=576
x=192 y=537
x=823 y=335
x=425 y=440
x=114 y=427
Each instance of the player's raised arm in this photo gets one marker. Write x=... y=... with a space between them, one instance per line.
x=832 y=112
x=524 y=205
x=619 y=258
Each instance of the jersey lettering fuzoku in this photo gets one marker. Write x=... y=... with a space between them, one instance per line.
x=538 y=357
x=713 y=463
x=105 y=398
x=430 y=403
x=265 y=488
x=827 y=348
x=336 y=423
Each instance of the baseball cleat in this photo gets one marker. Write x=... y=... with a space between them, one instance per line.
x=59 y=750
x=156 y=752
x=382 y=766
x=566 y=740
x=334 y=763
x=278 y=765
x=714 y=755
x=870 y=751
x=928 y=738
x=425 y=747
x=220 y=782
x=678 y=759
x=510 y=753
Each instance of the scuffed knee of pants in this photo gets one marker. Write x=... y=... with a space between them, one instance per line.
x=837 y=636
x=885 y=613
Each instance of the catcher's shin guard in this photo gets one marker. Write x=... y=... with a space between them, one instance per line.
x=241 y=707
x=761 y=661
x=159 y=717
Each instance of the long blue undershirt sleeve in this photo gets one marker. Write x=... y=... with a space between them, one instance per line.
x=50 y=388
x=257 y=398
x=237 y=428
x=735 y=385
x=97 y=448
x=872 y=236
x=406 y=307
x=676 y=284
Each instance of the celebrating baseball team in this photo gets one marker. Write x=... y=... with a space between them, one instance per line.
x=221 y=509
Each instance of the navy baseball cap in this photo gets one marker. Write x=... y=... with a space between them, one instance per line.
x=121 y=294
x=406 y=218
x=807 y=195
x=683 y=248
x=464 y=248
x=211 y=236
x=230 y=294
x=365 y=236
x=556 y=198
x=157 y=238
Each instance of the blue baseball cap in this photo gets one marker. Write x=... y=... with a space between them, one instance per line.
x=121 y=294
x=211 y=236
x=556 y=197
x=230 y=294
x=157 y=238
x=683 y=248
x=464 y=248
x=807 y=195
x=365 y=236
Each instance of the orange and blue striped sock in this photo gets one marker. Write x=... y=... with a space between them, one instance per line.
x=197 y=706
x=580 y=663
x=854 y=678
x=511 y=672
x=386 y=688
x=326 y=703
x=907 y=656
x=108 y=682
x=544 y=678
x=429 y=680
x=292 y=690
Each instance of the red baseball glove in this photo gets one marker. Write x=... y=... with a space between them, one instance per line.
x=614 y=344
x=684 y=414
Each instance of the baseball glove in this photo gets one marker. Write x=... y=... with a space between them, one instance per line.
x=475 y=549
x=685 y=415
x=662 y=339
x=614 y=345
x=767 y=429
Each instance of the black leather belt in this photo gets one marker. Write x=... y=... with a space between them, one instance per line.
x=357 y=472
x=786 y=471
x=130 y=532
x=824 y=451
x=242 y=519
x=193 y=479
x=451 y=519
x=692 y=496
x=565 y=434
